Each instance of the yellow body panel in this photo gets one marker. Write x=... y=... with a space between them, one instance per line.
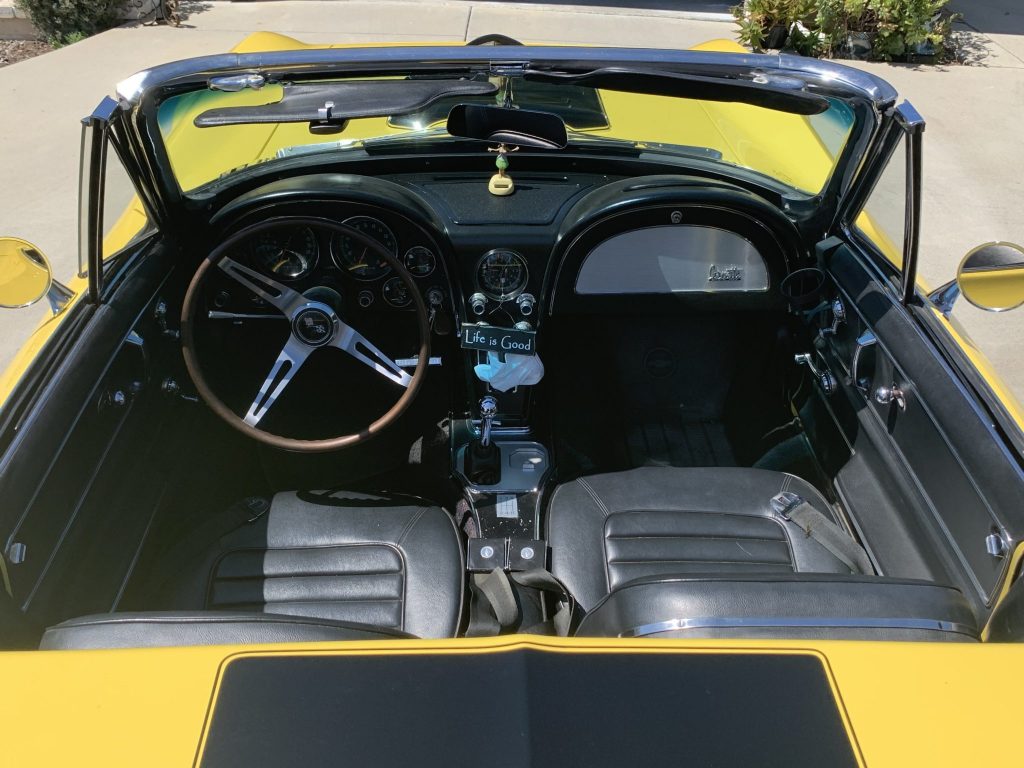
x=907 y=704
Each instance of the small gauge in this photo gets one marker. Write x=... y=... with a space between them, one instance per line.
x=502 y=274
x=288 y=253
x=355 y=258
x=420 y=261
x=397 y=293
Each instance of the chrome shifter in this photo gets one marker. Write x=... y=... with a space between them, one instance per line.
x=488 y=410
x=482 y=462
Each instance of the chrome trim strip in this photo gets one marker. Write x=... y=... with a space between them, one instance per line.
x=706 y=622
x=324 y=59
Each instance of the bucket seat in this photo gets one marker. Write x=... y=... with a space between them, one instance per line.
x=704 y=552
x=310 y=566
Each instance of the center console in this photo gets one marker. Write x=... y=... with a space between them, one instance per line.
x=502 y=473
x=499 y=465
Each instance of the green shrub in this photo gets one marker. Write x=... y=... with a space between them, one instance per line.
x=760 y=17
x=894 y=28
x=66 y=21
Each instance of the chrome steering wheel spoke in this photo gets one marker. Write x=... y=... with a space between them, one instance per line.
x=283 y=298
x=348 y=339
x=284 y=369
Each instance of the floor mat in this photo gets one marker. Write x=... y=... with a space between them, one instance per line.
x=666 y=440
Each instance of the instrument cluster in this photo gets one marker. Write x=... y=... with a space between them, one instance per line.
x=295 y=254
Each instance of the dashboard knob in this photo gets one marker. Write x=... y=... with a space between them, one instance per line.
x=526 y=303
x=478 y=304
x=365 y=299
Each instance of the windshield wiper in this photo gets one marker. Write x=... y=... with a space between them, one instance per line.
x=437 y=132
x=579 y=137
x=300 y=150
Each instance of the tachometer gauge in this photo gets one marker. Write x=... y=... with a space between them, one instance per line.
x=420 y=261
x=502 y=274
x=355 y=258
x=288 y=253
x=396 y=292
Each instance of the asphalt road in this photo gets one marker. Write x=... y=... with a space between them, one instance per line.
x=974 y=158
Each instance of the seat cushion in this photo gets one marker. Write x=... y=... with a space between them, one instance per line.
x=371 y=559
x=155 y=629
x=606 y=530
x=784 y=606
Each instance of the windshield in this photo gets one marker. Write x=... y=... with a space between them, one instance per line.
x=797 y=151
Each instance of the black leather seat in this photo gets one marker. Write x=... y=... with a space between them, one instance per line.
x=607 y=530
x=699 y=553
x=786 y=605
x=317 y=565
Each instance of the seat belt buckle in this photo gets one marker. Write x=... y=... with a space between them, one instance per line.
x=485 y=555
x=526 y=554
x=784 y=503
x=256 y=507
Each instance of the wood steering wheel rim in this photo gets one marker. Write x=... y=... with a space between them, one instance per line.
x=193 y=300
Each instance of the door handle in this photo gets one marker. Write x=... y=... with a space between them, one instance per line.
x=865 y=340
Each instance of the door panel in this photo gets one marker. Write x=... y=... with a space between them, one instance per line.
x=76 y=443
x=952 y=468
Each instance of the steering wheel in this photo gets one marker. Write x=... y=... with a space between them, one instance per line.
x=314 y=325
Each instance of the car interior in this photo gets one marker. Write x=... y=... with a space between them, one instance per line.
x=375 y=400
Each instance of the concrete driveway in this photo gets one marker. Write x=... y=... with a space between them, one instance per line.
x=974 y=158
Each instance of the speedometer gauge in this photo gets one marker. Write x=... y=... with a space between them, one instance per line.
x=355 y=258
x=502 y=274
x=288 y=253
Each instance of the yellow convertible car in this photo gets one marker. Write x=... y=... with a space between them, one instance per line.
x=505 y=405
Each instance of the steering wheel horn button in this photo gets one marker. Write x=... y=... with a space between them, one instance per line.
x=314 y=326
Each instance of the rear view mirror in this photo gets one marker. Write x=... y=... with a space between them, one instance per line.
x=991 y=277
x=24 y=273
x=503 y=125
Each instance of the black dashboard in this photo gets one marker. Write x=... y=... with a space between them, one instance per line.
x=514 y=260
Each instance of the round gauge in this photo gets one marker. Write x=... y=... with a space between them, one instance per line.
x=396 y=292
x=288 y=253
x=420 y=261
x=355 y=258
x=502 y=274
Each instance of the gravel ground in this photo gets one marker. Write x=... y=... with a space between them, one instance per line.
x=12 y=51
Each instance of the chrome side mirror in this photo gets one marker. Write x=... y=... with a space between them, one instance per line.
x=991 y=277
x=25 y=277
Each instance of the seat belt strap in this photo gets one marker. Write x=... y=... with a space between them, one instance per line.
x=568 y=614
x=792 y=508
x=494 y=607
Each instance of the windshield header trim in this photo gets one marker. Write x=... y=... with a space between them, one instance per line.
x=326 y=60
